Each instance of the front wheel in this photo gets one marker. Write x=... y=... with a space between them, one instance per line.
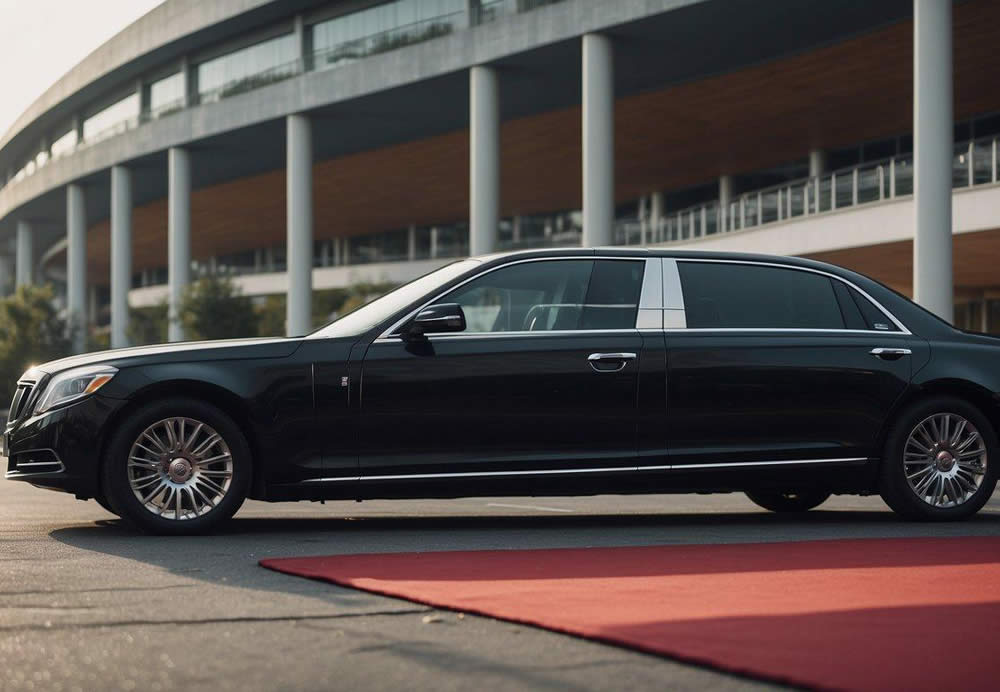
x=788 y=501
x=940 y=461
x=177 y=466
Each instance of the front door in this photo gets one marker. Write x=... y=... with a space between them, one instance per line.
x=779 y=364
x=543 y=378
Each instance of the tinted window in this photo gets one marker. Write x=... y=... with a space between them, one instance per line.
x=530 y=296
x=613 y=296
x=874 y=318
x=720 y=295
x=853 y=318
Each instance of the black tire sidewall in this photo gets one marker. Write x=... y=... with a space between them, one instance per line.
x=115 y=477
x=893 y=485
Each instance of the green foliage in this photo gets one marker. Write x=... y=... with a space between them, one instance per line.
x=215 y=308
x=148 y=325
x=31 y=331
x=271 y=315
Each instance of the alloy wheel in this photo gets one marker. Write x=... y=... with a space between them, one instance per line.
x=944 y=460
x=180 y=468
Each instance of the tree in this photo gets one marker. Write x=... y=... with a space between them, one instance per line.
x=215 y=308
x=31 y=331
x=148 y=325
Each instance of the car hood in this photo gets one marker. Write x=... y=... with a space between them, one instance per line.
x=227 y=349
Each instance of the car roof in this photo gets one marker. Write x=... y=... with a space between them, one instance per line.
x=618 y=251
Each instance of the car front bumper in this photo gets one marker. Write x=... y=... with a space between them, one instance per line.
x=61 y=449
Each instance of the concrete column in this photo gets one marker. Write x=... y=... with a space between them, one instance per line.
x=932 y=156
x=300 y=224
x=725 y=197
x=484 y=159
x=434 y=242
x=178 y=236
x=598 y=140
x=657 y=210
x=411 y=243
x=25 y=254
x=121 y=253
x=76 y=266
x=817 y=163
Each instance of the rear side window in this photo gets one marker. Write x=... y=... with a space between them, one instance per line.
x=613 y=295
x=746 y=296
x=874 y=318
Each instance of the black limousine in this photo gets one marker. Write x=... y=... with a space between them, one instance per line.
x=551 y=372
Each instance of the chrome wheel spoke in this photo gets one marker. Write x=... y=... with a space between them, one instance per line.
x=180 y=468
x=944 y=460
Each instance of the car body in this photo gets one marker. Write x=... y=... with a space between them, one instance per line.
x=548 y=372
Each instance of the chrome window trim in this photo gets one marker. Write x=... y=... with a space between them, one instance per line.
x=899 y=325
x=387 y=335
x=604 y=469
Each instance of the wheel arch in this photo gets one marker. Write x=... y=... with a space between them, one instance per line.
x=220 y=397
x=987 y=402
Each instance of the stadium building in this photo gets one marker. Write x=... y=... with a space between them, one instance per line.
x=308 y=144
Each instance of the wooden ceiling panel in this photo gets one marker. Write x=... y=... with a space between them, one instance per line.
x=765 y=115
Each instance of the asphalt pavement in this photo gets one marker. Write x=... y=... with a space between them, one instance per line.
x=87 y=604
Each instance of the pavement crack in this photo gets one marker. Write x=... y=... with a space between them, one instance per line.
x=53 y=627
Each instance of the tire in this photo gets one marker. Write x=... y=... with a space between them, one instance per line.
x=905 y=495
x=788 y=501
x=105 y=504
x=187 y=459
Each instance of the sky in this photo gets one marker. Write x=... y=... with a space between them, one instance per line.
x=41 y=40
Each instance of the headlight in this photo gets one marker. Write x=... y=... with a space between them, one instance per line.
x=74 y=384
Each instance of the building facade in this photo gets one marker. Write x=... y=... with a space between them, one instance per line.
x=307 y=144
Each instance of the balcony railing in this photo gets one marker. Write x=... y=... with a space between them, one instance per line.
x=975 y=163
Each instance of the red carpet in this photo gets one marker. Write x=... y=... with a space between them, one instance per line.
x=892 y=614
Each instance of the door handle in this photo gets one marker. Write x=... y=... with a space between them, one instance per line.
x=890 y=353
x=622 y=359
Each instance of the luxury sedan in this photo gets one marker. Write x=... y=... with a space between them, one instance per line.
x=548 y=372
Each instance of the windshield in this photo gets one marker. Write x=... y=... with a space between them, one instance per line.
x=367 y=316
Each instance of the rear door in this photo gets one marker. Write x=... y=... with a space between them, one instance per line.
x=778 y=364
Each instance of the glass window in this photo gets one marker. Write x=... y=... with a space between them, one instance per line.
x=383 y=28
x=746 y=296
x=874 y=317
x=64 y=144
x=110 y=120
x=166 y=94
x=248 y=68
x=613 y=296
x=526 y=297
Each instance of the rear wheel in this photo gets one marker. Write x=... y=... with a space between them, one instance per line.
x=178 y=466
x=787 y=500
x=940 y=461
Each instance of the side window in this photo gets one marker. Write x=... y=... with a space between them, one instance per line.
x=525 y=297
x=613 y=297
x=874 y=318
x=721 y=295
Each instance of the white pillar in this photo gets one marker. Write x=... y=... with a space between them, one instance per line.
x=657 y=210
x=817 y=163
x=178 y=236
x=725 y=197
x=484 y=159
x=300 y=225
x=25 y=254
x=932 y=156
x=598 y=140
x=121 y=253
x=76 y=266
x=411 y=243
